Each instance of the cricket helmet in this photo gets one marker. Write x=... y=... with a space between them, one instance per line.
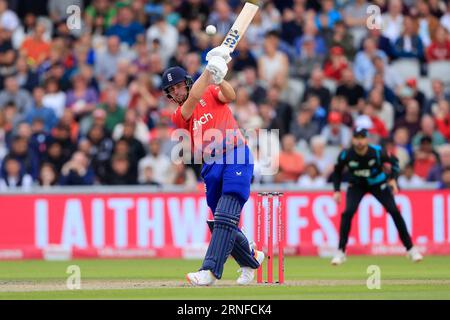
x=173 y=76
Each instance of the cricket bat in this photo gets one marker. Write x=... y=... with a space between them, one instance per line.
x=240 y=26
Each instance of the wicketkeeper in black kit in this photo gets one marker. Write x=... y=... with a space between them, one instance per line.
x=366 y=165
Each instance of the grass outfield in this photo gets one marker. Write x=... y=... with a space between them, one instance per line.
x=306 y=278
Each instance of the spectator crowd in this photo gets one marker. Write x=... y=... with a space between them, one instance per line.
x=81 y=104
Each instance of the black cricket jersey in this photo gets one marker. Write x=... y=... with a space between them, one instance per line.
x=366 y=170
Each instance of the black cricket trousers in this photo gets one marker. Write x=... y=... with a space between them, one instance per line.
x=385 y=196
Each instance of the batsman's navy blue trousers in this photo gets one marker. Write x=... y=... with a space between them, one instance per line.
x=231 y=177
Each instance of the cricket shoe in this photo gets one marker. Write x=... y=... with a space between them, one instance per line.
x=339 y=258
x=201 y=278
x=247 y=273
x=414 y=255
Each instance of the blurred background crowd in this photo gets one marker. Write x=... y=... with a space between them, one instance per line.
x=82 y=105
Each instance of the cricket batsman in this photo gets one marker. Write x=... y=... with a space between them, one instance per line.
x=366 y=165
x=202 y=106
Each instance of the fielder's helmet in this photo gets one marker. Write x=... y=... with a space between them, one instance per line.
x=175 y=75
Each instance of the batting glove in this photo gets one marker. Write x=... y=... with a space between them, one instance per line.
x=220 y=51
x=218 y=68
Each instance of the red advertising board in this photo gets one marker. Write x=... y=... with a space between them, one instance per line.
x=173 y=225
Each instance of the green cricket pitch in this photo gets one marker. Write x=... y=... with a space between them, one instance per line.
x=306 y=278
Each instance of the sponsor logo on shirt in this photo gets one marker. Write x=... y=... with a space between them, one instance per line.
x=202 y=120
x=362 y=173
x=372 y=162
x=353 y=164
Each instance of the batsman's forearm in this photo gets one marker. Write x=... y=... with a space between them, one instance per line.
x=227 y=91
x=199 y=86
x=195 y=94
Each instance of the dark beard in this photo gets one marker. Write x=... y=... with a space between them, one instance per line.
x=180 y=101
x=359 y=150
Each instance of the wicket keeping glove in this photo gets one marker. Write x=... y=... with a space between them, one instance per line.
x=218 y=68
x=220 y=51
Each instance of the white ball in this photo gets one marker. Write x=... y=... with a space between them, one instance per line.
x=211 y=30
